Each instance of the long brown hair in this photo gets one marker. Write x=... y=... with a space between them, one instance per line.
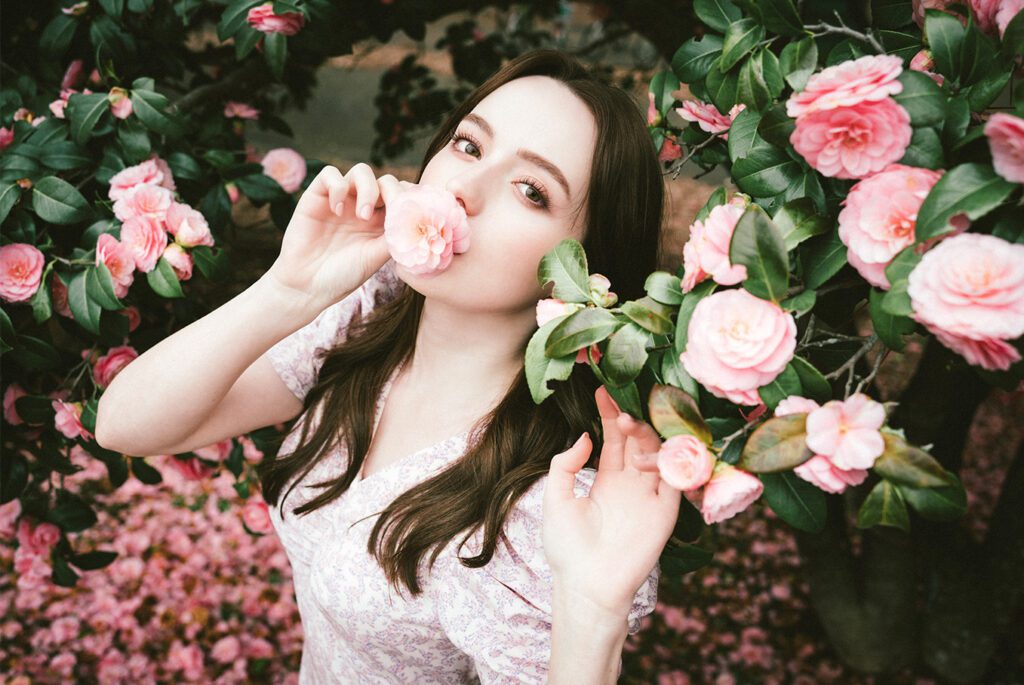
x=624 y=206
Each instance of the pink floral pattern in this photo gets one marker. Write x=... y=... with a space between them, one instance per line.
x=486 y=625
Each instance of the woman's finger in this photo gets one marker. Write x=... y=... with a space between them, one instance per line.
x=614 y=441
x=367 y=190
x=336 y=186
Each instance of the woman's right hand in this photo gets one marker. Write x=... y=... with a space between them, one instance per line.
x=328 y=249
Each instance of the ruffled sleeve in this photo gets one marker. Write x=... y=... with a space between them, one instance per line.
x=298 y=357
x=500 y=615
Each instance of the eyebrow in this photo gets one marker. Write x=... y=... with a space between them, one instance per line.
x=524 y=154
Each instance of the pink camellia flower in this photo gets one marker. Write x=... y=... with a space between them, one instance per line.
x=226 y=650
x=188 y=226
x=423 y=227
x=57 y=106
x=59 y=295
x=134 y=317
x=256 y=516
x=190 y=469
x=729 y=491
x=11 y=395
x=985 y=12
x=1005 y=134
x=68 y=419
x=119 y=261
x=878 y=217
x=600 y=290
x=286 y=166
x=232 y=190
x=685 y=462
x=736 y=343
x=6 y=137
x=72 y=75
x=120 y=103
x=847 y=431
x=262 y=18
x=925 y=63
x=854 y=141
x=39 y=537
x=180 y=261
x=653 y=115
x=240 y=110
x=871 y=78
x=250 y=451
x=670 y=151
x=1008 y=9
x=9 y=513
x=165 y=170
x=144 y=200
x=552 y=308
x=218 y=451
x=21 y=271
x=109 y=365
x=78 y=9
x=146 y=238
x=707 y=116
x=819 y=469
x=706 y=253
x=969 y=292
x=124 y=181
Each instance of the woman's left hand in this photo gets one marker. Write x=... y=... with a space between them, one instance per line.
x=602 y=547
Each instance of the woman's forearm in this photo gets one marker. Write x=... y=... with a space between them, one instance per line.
x=164 y=395
x=586 y=641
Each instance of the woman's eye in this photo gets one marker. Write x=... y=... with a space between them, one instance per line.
x=457 y=139
x=537 y=198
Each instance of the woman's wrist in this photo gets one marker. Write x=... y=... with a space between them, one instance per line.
x=586 y=639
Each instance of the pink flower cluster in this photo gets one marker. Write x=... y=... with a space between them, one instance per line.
x=991 y=16
x=736 y=343
x=847 y=125
x=969 y=292
x=706 y=252
x=707 y=116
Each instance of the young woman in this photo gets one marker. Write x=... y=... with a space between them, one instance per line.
x=442 y=527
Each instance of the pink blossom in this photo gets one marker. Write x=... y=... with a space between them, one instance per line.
x=72 y=75
x=110 y=364
x=240 y=110
x=653 y=115
x=685 y=462
x=21 y=271
x=124 y=181
x=180 y=261
x=250 y=451
x=6 y=137
x=188 y=226
x=707 y=116
x=191 y=469
x=552 y=308
x=144 y=200
x=37 y=537
x=226 y=649
x=871 y=78
x=134 y=317
x=423 y=227
x=78 y=9
x=256 y=516
x=706 y=253
x=165 y=170
x=879 y=215
x=118 y=259
x=1005 y=134
x=146 y=238
x=120 y=103
x=729 y=491
x=1008 y=9
x=262 y=18
x=258 y=648
x=736 y=343
x=232 y=190
x=847 y=431
x=925 y=63
x=286 y=166
x=819 y=469
x=853 y=142
x=11 y=395
x=969 y=292
x=58 y=105
x=217 y=451
x=185 y=658
x=670 y=150
x=9 y=514
x=68 y=419
x=59 y=294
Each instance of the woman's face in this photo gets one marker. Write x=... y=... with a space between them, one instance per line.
x=517 y=209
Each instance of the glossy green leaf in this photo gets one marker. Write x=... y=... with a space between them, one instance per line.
x=757 y=244
x=778 y=444
x=796 y=501
x=581 y=329
x=884 y=506
x=57 y=201
x=566 y=267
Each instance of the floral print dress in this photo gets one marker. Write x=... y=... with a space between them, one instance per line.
x=487 y=625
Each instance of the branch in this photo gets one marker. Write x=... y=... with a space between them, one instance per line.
x=845 y=30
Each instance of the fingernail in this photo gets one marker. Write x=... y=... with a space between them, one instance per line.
x=365 y=211
x=338 y=207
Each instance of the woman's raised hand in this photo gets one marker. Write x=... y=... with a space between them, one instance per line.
x=335 y=239
x=602 y=547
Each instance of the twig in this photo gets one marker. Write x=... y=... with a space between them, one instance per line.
x=836 y=338
x=874 y=370
x=845 y=30
x=852 y=361
x=678 y=166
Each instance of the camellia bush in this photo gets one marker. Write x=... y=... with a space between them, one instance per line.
x=877 y=197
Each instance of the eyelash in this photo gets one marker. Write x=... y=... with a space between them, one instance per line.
x=537 y=185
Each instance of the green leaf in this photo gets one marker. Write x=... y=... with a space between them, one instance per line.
x=92 y=561
x=34 y=354
x=765 y=171
x=151 y=108
x=64 y=155
x=85 y=309
x=9 y=195
x=275 y=50
x=260 y=188
x=781 y=17
x=760 y=80
x=541 y=368
x=890 y=14
x=800 y=303
x=945 y=38
x=922 y=98
x=675 y=412
x=100 y=287
x=757 y=244
x=718 y=14
x=649 y=314
x=978 y=55
x=778 y=444
x=678 y=560
x=890 y=328
x=972 y=189
x=717 y=197
x=807 y=186
x=164 y=281
x=906 y=464
x=815 y=385
x=234 y=17
x=72 y=513
x=799 y=220
x=782 y=386
x=144 y=472
x=1013 y=42
x=581 y=329
x=897 y=301
x=721 y=87
x=690 y=300
x=84 y=112
x=740 y=38
x=822 y=258
x=798 y=61
x=663 y=287
x=625 y=355
x=212 y=263
x=924 y=150
x=743 y=136
x=981 y=94
x=663 y=85
x=884 y=506
x=775 y=126
x=57 y=35
x=947 y=503
x=57 y=201
x=695 y=58
x=796 y=501
x=566 y=267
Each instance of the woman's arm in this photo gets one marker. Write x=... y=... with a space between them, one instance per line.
x=586 y=641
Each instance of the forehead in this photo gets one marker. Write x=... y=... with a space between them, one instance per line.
x=542 y=115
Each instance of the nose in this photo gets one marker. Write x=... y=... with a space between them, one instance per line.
x=466 y=192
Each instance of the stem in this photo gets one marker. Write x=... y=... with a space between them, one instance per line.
x=849 y=363
x=874 y=370
x=678 y=166
x=845 y=30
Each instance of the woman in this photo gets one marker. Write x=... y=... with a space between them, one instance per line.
x=422 y=554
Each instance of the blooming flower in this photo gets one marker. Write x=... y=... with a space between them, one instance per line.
x=819 y=469
x=11 y=395
x=736 y=343
x=685 y=462
x=706 y=253
x=124 y=181
x=119 y=260
x=21 y=271
x=68 y=419
x=1005 y=133
x=146 y=199
x=146 y=238
x=120 y=103
x=180 y=260
x=286 y=166
x=729 y=491
x=240 y=110
x=109 y=365
x=1008 y=9
x=969 y=292
x=423 y=227
x=707 y=116
x=871 y=78
x=847 y=431
x=188 y=226
x=262 y=18
x=879 y=215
